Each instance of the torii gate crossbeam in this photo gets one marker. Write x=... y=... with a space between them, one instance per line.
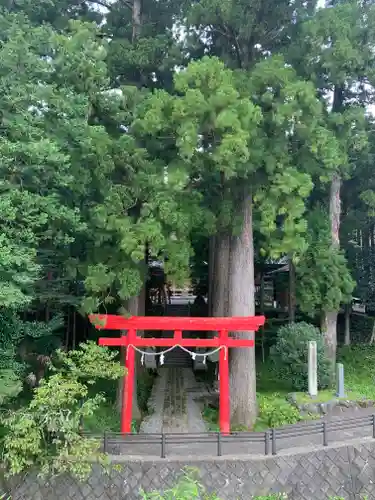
x=178 y=325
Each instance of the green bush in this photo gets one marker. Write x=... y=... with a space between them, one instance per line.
x=290 y=353
x=275 y=411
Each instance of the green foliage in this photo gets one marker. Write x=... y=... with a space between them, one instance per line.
x=35 y=169
x=187 y=488
x=17 y=336
x=104 y=419
x=275 y=411
x=290 y=353
x=359 y=367
x=211 y=417
x=323 y=279
x=90 y=363
x=46 y=433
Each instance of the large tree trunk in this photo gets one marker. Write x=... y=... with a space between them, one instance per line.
x=132 y=309
x=329 y=319
x=211 y=272
x=241 y=303
x=372 y=338
x=292 y=292
x=221 y=275
x=137 y=12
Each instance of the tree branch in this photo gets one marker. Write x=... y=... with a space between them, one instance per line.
x=102 y=3
x=108 y=5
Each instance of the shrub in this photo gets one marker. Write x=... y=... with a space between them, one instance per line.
x=275 y=411
x=46 y=433
x=290 y=353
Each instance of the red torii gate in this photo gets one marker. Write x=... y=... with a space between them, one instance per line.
x=178 y=324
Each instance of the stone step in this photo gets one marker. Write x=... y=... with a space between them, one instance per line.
x=178 y=358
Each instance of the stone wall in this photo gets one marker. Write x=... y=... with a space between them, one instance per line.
x=347 y=471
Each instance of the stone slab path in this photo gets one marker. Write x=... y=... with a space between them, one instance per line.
x=173 y=405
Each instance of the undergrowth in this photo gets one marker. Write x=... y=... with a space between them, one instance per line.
x=359 y=369
x=107 y=417
x=188 y=487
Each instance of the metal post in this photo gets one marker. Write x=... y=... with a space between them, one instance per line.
x=325 y=441
x=105 y=445
x=128 y=390
x=267 y=443
x=163 y=445
x=219 y=450
x=273 y=435
x=224 y=409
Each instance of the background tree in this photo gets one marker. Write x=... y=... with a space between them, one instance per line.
x=334 y=51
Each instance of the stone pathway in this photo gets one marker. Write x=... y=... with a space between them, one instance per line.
x=173 y=405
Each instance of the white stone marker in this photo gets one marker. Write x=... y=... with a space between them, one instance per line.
x=313 y=369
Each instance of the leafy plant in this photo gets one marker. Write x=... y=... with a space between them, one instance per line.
x=24 y=346
x=46 y=434
x=290 y=354
x=187 y=487
x=275 y=411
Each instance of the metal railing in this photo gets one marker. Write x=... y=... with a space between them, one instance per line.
x=237 y=443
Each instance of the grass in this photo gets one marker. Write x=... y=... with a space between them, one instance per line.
x=359 y=376
x=359 y=370
x=324 y=396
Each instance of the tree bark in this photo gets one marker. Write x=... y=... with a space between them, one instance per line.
x=372 y=338
x=241 y=303
x=347 y=324
x=137 y=13
x=221 y=275
x=329 y=319
x=292 y=292
x=211 y=272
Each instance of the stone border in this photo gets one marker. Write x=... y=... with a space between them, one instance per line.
x=321 y=409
